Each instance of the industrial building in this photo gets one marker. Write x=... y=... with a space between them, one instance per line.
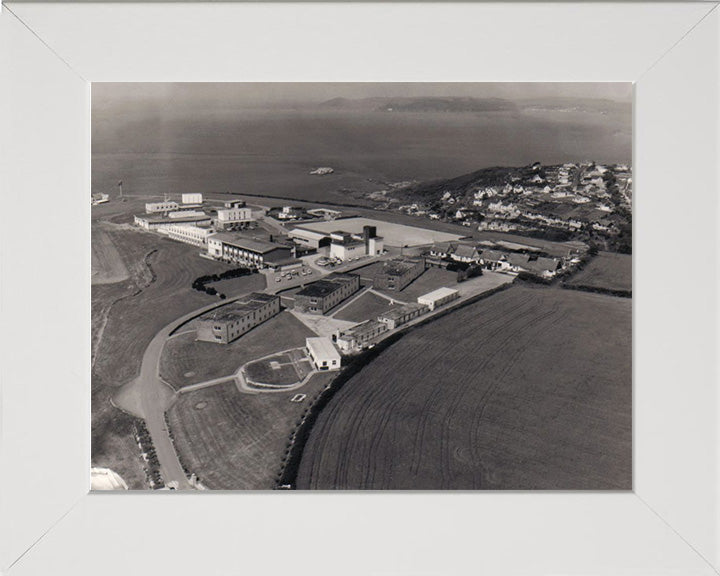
x=152 y=222
x=225 y=324
x=165 y=206
x=467 y=252
x=438 y=297
x=360 y=336
x=187 y=233
x=233 y=216
x=323 y=353
x=309 y=238
x=321 y=296
x=401 y=315
x=346 y=246
x=398 y=273
x=248 y=252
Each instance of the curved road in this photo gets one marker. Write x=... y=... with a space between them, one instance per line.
x=148 y=396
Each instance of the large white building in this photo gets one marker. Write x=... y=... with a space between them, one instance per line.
x=194 y=198
x=187 y=233
x=438 y=297
x=155 y=207
x=235 y=215
x=157 y=222
x=323 y=353
x=345 y=246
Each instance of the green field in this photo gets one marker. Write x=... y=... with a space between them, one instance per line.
x=186 y=360
x=280 y=370
x=528 y=389
x=607 y=270
x=236 y=441
x=365 y=307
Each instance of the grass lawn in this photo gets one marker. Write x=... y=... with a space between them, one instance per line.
x=241 y=285
x=530 y=388
x=186 y=360
x=281 y=369
x=606 y=270
x=430 y=280
x=367 y=306
x=236 y=441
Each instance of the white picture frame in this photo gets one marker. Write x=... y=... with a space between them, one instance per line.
x=50 y=524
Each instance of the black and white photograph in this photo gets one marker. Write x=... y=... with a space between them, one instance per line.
x=361 y=286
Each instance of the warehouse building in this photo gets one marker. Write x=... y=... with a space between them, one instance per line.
x=225 y=324
x=189 y=234
x=321 y=296
x=401 y=315
x=309 y=238
x=248 y=252
x=398 y=273
x=360 y=336
x=152 y=222
x=323 y=353
x=438 y=297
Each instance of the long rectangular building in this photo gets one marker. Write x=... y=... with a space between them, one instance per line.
x=248 y=252
x=225 y=324
x=401 y=315
x=438 y=297
x=360 y=336
x=153 y=222
x=321 y=296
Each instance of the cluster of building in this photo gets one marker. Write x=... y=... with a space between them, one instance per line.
x=229 y=322
x=343 y=245
x=366 y=333
x=493 y=259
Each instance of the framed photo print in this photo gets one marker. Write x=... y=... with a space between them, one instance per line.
x=388 y=289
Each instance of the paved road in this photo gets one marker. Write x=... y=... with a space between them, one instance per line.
x=149 y=397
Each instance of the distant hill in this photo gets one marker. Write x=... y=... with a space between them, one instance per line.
x=420 y=104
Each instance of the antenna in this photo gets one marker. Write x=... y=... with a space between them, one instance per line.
x=122 y=199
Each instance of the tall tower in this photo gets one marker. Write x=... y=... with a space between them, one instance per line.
x=122 y=199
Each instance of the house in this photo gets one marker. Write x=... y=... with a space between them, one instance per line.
x=229 y=322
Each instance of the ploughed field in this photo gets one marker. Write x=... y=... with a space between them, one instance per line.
x=234 y=440
x=527 y=389
x=607 y=270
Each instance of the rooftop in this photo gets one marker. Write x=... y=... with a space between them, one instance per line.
x=400 y=311
x=322 y=347
x=260 y=246
x=398 y=267
x=319 y=288
x=240 y=308
x=365 y=327
x=163 y=219
x=437 y=294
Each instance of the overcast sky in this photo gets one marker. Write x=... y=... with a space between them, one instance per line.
x=253 y=94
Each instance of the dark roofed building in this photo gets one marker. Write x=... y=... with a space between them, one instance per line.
x=238 y=249
x=398 y=273
x=324 y=294
x=231 y=321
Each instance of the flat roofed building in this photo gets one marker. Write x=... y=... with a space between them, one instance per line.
x=193 y=198
x=398 y=273
x=360 y=336
x=438 y=297
x=401 y=315
x=229 y=322
x=248 y=252
x=324 y=294
x=236 y=215
x=152 y=222
x=189 y=234
x=154 y=207
x=323 y=353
